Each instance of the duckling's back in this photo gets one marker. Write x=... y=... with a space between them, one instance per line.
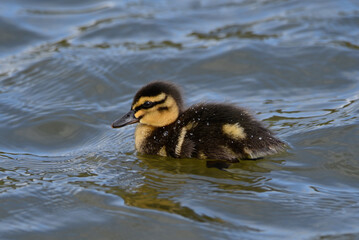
x=213 y=131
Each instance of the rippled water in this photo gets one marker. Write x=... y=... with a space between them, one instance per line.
x=69 y=68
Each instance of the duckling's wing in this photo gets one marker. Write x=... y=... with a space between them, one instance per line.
x=222 y=131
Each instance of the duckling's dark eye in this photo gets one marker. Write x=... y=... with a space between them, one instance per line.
x=147 y=104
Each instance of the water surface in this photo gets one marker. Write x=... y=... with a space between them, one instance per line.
x=69 y=68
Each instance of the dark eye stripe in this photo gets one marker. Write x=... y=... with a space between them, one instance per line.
x=154 y=104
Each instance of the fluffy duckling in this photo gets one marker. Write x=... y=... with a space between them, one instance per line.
x=205 y=130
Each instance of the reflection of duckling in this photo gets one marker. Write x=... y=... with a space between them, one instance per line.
x=213 y=131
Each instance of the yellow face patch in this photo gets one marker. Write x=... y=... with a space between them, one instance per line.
x=155 y=117
x=139 y=113
x=142 y=100
x=234 y=131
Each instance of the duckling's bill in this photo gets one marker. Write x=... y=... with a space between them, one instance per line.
x=127 y=119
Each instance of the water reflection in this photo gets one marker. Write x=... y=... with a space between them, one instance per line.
x=165 y=183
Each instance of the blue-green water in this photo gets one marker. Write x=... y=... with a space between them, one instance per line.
x=69 y=68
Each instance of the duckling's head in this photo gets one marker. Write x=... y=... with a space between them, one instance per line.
x=157 y=104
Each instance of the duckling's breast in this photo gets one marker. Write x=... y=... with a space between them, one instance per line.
x=156 y=140
x=142 y=133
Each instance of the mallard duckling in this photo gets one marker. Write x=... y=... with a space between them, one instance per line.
x=204 y=131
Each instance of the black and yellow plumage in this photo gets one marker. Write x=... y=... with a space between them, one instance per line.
x=205 y=130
